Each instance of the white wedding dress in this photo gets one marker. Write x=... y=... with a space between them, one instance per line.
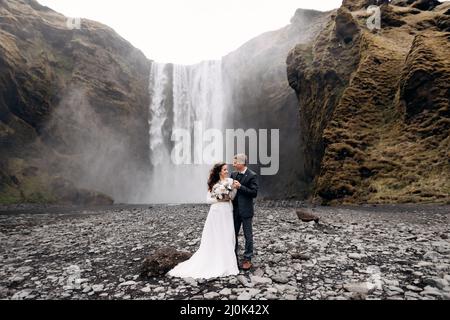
x=215 y=256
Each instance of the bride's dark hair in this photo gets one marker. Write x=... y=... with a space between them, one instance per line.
x=214 y=175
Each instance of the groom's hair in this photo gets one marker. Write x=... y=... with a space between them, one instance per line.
x=241 y=158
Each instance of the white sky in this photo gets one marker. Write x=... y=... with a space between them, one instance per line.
x=188 y=31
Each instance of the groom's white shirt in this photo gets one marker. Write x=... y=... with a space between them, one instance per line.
x=243 y=172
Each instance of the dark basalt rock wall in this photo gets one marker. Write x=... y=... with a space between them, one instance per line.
x=374 y=105
x=263 y=99
x=73 y=107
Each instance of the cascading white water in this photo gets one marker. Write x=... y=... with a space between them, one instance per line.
x=182 y=96
x=158 y=113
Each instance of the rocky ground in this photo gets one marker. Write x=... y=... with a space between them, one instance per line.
x=382 y=252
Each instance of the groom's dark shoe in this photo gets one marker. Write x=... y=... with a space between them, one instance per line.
x=247 y=265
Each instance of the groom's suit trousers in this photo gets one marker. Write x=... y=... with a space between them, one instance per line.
x=247 y=223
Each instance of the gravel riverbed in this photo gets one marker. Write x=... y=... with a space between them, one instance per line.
x=362 y=252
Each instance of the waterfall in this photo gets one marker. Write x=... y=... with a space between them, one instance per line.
x=158 y=113
x=180 y=97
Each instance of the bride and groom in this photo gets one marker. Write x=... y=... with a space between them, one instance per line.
x=231 y=201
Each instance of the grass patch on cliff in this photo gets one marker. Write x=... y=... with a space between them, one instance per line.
x=23 y=184
x=9 y=195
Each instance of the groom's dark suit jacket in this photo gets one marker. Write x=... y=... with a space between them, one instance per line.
x=243 y=202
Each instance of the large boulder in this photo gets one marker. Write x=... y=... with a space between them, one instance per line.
x=162 y=261
x=307 y=215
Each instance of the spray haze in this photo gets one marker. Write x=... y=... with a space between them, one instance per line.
x=94 y=153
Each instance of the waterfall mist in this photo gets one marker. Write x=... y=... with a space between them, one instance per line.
x=94 y=152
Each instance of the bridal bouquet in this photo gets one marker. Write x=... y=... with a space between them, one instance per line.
x=222 y=190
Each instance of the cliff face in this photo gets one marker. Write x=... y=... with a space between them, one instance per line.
x=262 y=98
x=374 y=105
x=368 y=120
x=68 y=100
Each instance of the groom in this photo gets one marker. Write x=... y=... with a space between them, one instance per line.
x=245 y=181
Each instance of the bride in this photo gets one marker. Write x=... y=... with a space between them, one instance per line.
x=216 y=256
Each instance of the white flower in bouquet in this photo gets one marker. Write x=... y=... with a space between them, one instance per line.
x=221 y=190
